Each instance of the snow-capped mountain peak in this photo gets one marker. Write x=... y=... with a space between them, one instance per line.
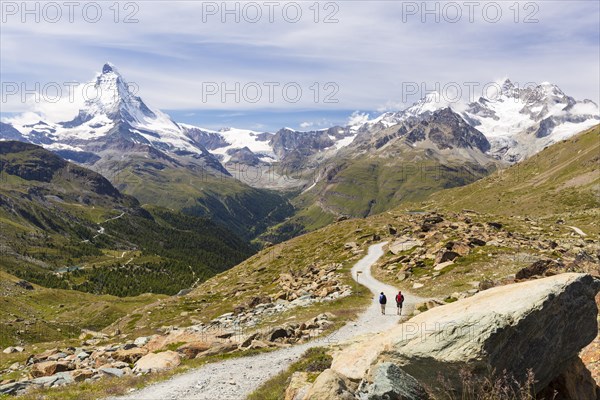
x=520 y=121
x=114 y=98
x=111 y=112
x=431 y=102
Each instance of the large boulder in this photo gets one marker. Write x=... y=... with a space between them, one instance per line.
x=404 y=244
x=575 y=382
x=298 y=386
x=387 y=381
x=538 y=325
x=191 y=350
x=538 y=268
x=154 y=362
x=219 y=348
x=47 y=368
x=330 y=385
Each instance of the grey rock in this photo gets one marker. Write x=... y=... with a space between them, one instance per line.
x=14 y=387
x=514 y=328
x=537 y=325
x=141 y=341
x=112 y=372
x=388 y=381
x=45 y=381
x=64 y=377
x=57 y=356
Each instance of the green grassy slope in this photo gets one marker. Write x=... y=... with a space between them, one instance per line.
x=44 y=315
x=64 y=226
x=563 y=180
x=196 y=191
x=360 y=186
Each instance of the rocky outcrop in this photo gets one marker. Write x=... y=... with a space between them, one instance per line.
x=446 y=242
x=536 y=326
x=330 y=385
x=388 y=381
x=575 y=382
x=298 y=386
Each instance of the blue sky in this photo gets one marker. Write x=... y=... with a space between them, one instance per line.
x=364 y=58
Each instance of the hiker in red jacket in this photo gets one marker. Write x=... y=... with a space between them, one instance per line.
x=399 y=301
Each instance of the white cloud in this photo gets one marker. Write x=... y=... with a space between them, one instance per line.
x=369 y=53
x=358 y=118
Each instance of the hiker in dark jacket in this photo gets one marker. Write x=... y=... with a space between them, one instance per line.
x=399 y=302
x=382 y=301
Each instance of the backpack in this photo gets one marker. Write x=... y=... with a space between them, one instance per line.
x=399 y=298
x=382 y=299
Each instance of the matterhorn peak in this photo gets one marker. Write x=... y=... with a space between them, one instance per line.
x=109 y=67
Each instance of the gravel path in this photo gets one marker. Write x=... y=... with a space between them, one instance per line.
x=236 y=378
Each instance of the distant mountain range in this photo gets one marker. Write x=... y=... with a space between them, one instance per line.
x=245 y=179
x=146 y=154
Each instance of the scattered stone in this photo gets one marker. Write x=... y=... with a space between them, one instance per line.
x=443 y=265
x=57 y=356
x=43 y=356
x=44 y=381
x=495 y=225
x=226 y=335
x=13 y=388
x=219 y=349
x=80 y=375
x=9 y=350
x=191 y=350
x=116 y=372
x=402 y=245
x=141 y=341
x=434 y=219
x=538 y=268
x=154 y=362
x=351 y=246
x=25 y=285
x=47 y=368
x=446 y=256
x=131 y=355
x=477 y=242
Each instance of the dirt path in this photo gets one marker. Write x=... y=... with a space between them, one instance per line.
x=236 y=378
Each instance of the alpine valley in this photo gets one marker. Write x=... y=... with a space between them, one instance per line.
x=271 y=186
x=134 y=248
